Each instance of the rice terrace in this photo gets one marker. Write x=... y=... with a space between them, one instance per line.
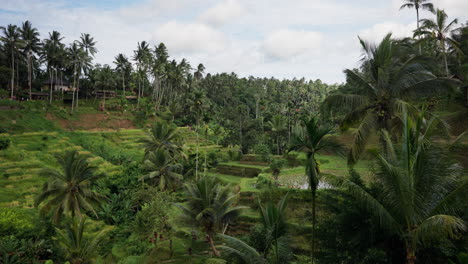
x=234 y=131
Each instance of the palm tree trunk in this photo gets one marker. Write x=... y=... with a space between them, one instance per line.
x=29 y=76
x=123 y=82
x=213 y=248
x=12 y=74
x=314 y=194
x=410 y=255
x=417 y=26
x=51 y=74
x=78 y=86
x=74 y=87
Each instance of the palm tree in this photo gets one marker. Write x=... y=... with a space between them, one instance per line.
x=386 y=82
x=162 y=169
x=278 y=125
x=163 y=135
x=439 y=31
x=76 y=55
x=142 y=56
x=312 y=138
x=237 y=247
x=211 y=206
x=31 y=45
x=79 y=248
x=122 y=65
x=12 y=41
x=273 y=220
x=417 y=186
x=52 y=53
x=199 y=73
x=418 y=4
x=68 y=191
x=87 y=43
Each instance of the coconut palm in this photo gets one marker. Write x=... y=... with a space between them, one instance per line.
x=274 y=221
x=386 y=82
x=278 y=125
x=312 y=138
x=12 y=41
x=52 y=54
x=199 y=73
x=240 y=249
x=418 y=4
x=163 y=135
x=31 y=45
x=122 y=65
x=142 y=55
x=88 y=44
x=68 y=191
x=211 y=206
x=417 y=187
x=439 y=31
x=162 y=169
x=78 y=247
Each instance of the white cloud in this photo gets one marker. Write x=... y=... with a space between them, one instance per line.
x=286 y=43
x=379 y=31
x=222 y=13
x=284 y=39
x=189 y=37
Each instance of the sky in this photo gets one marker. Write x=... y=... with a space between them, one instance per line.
x=262 y=38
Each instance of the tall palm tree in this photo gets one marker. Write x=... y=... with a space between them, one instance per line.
x=79 y=248
x=142 y=55
x=418 y=4
x=68 y=191
x=199 y=73
x=12 y=42
x=311 y=138
x=163 y=135
x=122 y=65
x=162 y=169
x=52 y=53
x=386 y=81
x=31 y=45
x=439 y=31
x=417 y=186
x=278 y=125
x=211 y=206
x=88 y=44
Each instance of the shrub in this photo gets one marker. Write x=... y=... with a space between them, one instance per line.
x=4 y=142
x=276 y=165
x=16 y=222
x=264 y=152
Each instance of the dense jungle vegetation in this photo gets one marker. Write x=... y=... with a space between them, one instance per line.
x=152 y=160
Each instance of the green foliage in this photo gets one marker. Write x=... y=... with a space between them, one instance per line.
x=153 y=218
x=78 y=247
x=16 y=222
x=4 y=142
x=264 y=152
x=69 y=189
x=276 y=165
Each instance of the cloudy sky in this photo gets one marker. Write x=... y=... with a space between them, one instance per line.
x=315 y=39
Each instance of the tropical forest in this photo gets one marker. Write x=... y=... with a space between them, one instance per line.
x=153 y=157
